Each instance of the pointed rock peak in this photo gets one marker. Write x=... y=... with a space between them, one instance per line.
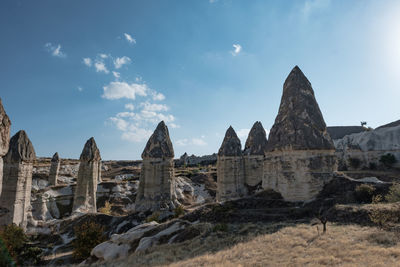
x=90 y=151
x=299 y=124
x=55 y=157
x=231 y=145
x=256 y=141
x=21 y=148
x=159 y=144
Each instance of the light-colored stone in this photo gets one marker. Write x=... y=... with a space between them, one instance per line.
x=17 y=183
x=88 y=177
x=5 y=126
x=230 y=168
x=54 y=169
x=156 y=187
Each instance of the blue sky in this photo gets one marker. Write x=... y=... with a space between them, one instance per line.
x=74 y=69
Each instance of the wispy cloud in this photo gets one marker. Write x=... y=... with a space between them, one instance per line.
x=191 y=142
x=120 y=61
x=129 y=38
x=311 y=6
x=116 y=74
x=237 y=49
x=118 y=90
x=55 y=50
x=129 y=106
x=100 y=66
x=158 y=96
x=87 y=61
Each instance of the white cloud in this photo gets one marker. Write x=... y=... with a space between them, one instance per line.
x=80 y=89
x=55 y=50
x=193 y=141
x=129 y=38
x=101 y=67
x=104 y=56
x=120 y=61
x=136 y=135
x=243 y=133
x=311 y=6
x=116 y=74
x=120 y=123
x=118 y=90
x=154 y=107
x=129 y=106
x=158 y=96
x=87 y=61
x=237 y=49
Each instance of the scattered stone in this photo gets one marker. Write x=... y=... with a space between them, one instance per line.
x=17 y=183
x=156 y=187
x=88 y=177
x=300 y=155
x=254 y=155
x=54 y=169
x=230 y=169
x=5 y=125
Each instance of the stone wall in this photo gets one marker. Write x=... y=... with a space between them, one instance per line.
x=231 y=179
x=253 y=169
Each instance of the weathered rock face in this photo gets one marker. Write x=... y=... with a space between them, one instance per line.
x=54 y=168
x=230 y=169
x=254 y=155
x=5 y=126
x=156 y=186
x=300 y=155
x=88 y=177
x=17 y=183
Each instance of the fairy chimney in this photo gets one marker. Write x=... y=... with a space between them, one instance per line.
x=5 y=125
x=300 y=155
x=17 y=182
x=54 y=168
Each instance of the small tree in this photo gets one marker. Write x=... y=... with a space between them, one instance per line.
x=394 y=193
x=88 y=235
x=388 y=160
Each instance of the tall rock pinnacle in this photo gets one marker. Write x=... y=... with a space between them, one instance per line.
x=159 y=144
x=299 y=124
x=256 y=141
x=5 y=125
x=90 y=151
x=231 y=145
x=21 y=148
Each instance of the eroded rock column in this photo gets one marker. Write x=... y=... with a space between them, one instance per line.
x=156 y=187
x=254 y=151
x=230 y=168
x=54 y=168
x=88 y=177
x=17 y=182
x=5 y=125
x=300 y=157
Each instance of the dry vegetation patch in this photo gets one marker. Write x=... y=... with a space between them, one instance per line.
x=277 y=244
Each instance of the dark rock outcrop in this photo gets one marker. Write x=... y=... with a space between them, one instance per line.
x=159 y=144
x=256 y=142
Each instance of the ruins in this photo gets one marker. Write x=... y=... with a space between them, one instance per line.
x=300 y=157
x=88 y=177
x=253 y=154
x=230 y=169
x=156 y=186
x=54 y=168
x=17 y=182
x=5 y=125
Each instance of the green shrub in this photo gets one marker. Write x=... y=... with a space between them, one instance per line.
x=220 y=227
x=354 y=162
x=153 y=217
x=88 y=235
x=394 y=193
x=106 y=209
x=15 y=244
x=388 y=160
x=178 y=211
x=364 y=193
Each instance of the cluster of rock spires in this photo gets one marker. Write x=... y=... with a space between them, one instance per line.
x=297 y=160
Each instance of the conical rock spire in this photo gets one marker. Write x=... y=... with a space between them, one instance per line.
x=159 y=144
x=90 y=151
x=55 y=157
x=5 y=125
x=231 y=145
x=21 y=148
x=256 y=141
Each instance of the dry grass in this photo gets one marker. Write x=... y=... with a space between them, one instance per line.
x=264 y=245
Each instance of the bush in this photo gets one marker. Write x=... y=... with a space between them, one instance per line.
x=377 y=199
x=394 y=193
x=15 y=244
x=220 y=227
x=106 y=209
x=88 y=235
x=388 y=160
x=178 y=211
x=364 y=193
x=354 y=162
x=153 y=217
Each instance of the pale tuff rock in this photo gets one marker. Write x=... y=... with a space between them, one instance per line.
x=156 y=186
x=230 y=173
x=300 y=155
x=88 y=177
x=5 y=125
x=254 y=155
x=54 y=169
x=16 y=192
